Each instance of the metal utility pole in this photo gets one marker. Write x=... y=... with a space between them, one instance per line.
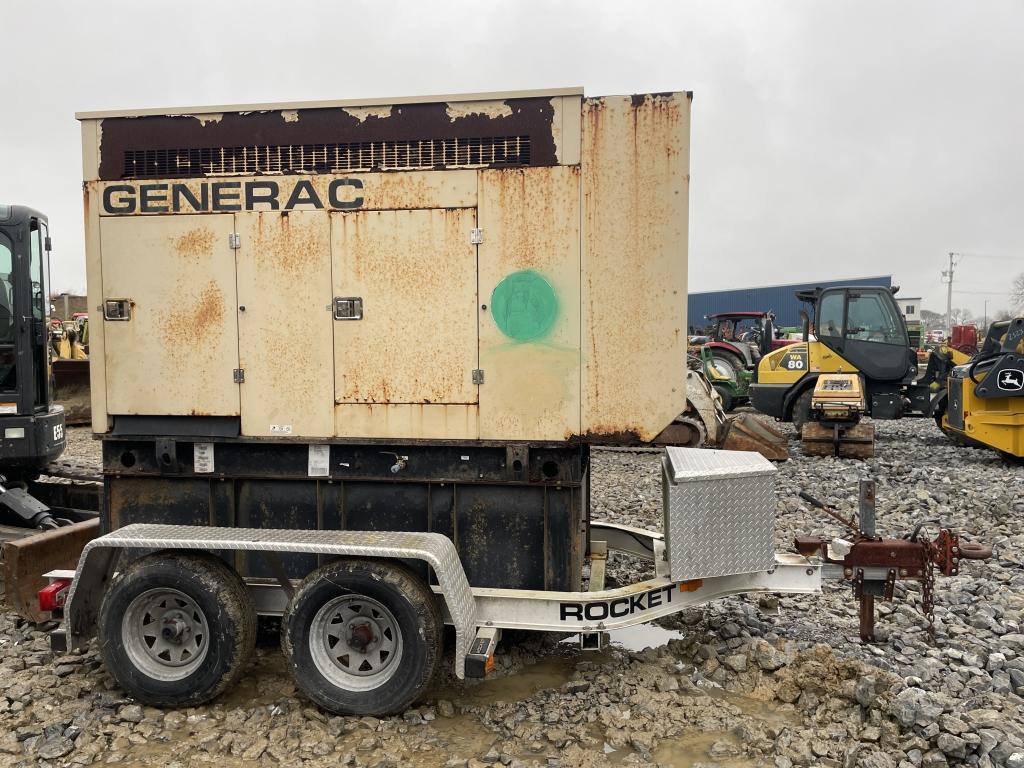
x=947 y=276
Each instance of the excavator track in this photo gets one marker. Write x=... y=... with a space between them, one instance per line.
x=76 y=471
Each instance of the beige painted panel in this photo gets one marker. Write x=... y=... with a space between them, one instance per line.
x=416 y=274
x=530 y=218
x=285 y=333
x=177 y=353
x=94 y=289
x=379 y=191
x=403 y=421
x=635 y=164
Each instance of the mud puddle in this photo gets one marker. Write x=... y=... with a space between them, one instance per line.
x=550 y=672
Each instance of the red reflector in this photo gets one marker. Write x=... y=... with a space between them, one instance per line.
x=53 y=596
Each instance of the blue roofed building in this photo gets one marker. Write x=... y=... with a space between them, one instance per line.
x=780 y=299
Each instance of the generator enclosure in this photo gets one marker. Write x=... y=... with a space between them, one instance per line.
x=386 y=314
x=489 y=267
x=719 y=512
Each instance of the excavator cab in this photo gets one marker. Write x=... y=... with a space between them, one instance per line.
x=32 y=427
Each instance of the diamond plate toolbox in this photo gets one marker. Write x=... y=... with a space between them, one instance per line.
x=719 y=512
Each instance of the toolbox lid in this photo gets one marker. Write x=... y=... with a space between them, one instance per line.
x=687 y=465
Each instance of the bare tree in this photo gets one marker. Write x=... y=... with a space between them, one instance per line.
x=1017 y=295
x=961 y=316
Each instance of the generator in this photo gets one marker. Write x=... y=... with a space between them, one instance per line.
x=397 y=314
x=398 y=329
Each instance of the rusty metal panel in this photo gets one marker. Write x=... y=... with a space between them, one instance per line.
x=635 y=170
x=26 y=559
x=405 y=420
x=530 y=303
x=285 y=329
x=176 y=354
x=566 y=127
x=415 y=272
x=354 y=191
x=189 y=145
x=94 y=289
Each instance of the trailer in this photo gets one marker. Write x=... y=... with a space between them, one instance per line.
x=400 y=326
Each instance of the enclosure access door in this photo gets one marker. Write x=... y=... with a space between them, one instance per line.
x=408 y=332
x=171 y=339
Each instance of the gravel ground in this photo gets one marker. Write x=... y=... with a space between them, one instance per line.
x=758 y=680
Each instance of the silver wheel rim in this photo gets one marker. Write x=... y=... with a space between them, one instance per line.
x=355 y=642
x=724 y=367
x=165 y=634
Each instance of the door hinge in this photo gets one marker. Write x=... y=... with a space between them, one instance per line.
x=478 y=376
x=239 y=375
x=476 y=236
x=235 y=241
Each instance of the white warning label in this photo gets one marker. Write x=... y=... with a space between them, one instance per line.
x=319 y=460
x=202 y=457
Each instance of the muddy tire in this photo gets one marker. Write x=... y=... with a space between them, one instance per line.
x=363 y=637
x=726 y=395
x=175 y=630
x=727 y=364
x=802 y=410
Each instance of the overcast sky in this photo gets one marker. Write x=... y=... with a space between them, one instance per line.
x=830 y=139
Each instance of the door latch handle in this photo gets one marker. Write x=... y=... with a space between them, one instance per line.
x=348 y=308
x=117 y=309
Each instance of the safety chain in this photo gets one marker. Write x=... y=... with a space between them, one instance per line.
x=928 y=588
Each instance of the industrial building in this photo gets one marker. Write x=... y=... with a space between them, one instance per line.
x=780 y=299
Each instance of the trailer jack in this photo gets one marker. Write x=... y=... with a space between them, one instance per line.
x=872 y=564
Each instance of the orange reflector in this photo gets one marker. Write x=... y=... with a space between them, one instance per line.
x=489 y=664
x=691 y=586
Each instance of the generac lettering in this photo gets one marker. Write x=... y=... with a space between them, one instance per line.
x=230 y=197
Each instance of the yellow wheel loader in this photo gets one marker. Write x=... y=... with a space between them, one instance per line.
x=983 y=400
x=859 y=333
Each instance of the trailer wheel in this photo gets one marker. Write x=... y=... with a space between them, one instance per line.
x=176 y=629
x=363 y=636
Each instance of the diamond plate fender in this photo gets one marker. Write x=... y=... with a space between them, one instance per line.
x=99 y=558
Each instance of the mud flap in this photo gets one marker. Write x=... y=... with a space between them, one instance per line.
x=746 y=432
x=27 y=559
x=847 y=442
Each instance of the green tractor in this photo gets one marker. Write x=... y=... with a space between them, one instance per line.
x=734 y=392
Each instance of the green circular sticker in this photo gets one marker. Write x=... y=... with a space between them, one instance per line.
x=524 y=305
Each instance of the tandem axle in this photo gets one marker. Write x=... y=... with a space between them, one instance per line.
x=363 y=631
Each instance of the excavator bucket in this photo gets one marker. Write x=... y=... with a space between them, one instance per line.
x=746 y=432
x=71 y=389
x=852 y=442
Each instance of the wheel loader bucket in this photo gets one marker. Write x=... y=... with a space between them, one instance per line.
x=746 y=432
x=27 y=558
x=71 y=390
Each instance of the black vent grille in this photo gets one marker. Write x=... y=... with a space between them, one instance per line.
x=327 y=158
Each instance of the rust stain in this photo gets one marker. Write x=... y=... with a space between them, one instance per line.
x=601 y=434
x=194 y=243
x=193 y=325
